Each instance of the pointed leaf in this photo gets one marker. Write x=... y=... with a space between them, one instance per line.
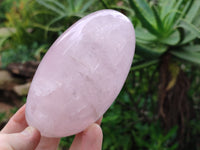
x=47 y=28
x=50 y=6
x=140 y=65
x=183 y=12
x=193 y=11
x=78 y=4
x=148 y=53
x=146 y=11
x=138 y=6
x=87 y=5
x=175 y=11
x=143 y=34
x=189 y=36
x=190 y=27
x=171 y=12
x=72 y=5
x=143 y=42
x=192 y=57
x=167 y=6
x=158 y=19
x=192 y=48
x=57 y=4
x=173 y=39
x=127 y=9
x=104 y=3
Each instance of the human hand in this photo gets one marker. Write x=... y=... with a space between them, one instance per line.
x=16 y=135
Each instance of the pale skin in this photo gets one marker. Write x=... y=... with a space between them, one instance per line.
x=17 y=135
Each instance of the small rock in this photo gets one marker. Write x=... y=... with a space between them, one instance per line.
x=7 y=81
x=22 y=90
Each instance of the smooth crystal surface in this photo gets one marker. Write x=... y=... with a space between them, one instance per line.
x=81 y=74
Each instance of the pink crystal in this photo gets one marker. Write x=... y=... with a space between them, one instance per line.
x=81 y=74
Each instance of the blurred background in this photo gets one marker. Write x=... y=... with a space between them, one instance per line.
x=159 y=105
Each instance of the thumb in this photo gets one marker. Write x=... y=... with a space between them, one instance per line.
x=25 y=140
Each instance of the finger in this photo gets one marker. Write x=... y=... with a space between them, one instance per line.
x=25 y=140
x=17 y=123
x=48 y=143
x=99 y=121
x=90 y=139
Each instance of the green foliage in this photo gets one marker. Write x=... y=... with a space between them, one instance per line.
x=2 y=116
x=14 y=110
x=117 y=5
x=130 y=123
x=5 y=33
x=151 y=137
x=66 y=142
x=18 y=18
x=5 y=6
x=22 y=53
x=188 y=55
x=115 y=136
x=166 y=26
x=41 y=22
x=63 y=13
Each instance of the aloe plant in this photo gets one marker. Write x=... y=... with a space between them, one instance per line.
x=168 y=25
x=167 y=34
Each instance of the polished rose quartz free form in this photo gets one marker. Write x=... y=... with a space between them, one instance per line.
x=81 y=74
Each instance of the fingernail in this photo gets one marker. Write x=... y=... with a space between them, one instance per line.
x=28 y=131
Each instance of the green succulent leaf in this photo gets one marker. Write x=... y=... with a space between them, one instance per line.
x=71 y=5
x=143 y=34
x=104 y=3
x=189 y=36
x=53 y=6
x=183 y=12
x=171 y=12
x=192 y=48
x=167 y=6
x=173 y=39
x=127 y=9
x=190 y=27
x=146 y=10
x=145 y=14
x=149 y=53
x=86 y=6
x=143 y=64
x=47 y=28
x=192 y=11
x=158 y=19
x=193 y=57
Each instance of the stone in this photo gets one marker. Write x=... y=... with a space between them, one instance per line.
x=81 y=74
x=22 y=89
x=5 y=78
x=7 y=81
